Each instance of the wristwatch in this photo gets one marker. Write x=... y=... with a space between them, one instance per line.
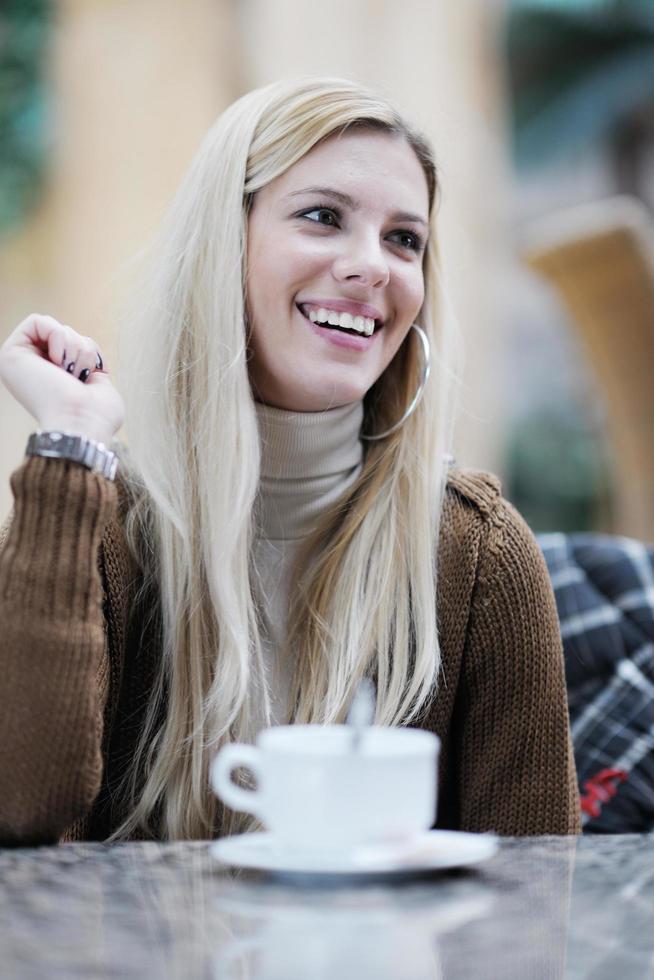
x=65 y=445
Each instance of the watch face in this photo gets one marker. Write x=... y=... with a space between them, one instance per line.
x=49 y=444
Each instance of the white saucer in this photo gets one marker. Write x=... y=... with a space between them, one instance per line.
x=431 y=851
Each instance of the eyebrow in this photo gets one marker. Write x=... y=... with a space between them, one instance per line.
x=349 y=202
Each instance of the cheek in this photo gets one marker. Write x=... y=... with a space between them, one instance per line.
x=413 y=294
x=263 y=281
x=278 y=274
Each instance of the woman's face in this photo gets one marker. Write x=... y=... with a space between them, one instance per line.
x=338 y=237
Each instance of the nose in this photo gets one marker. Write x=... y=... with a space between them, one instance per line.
x=362 y=260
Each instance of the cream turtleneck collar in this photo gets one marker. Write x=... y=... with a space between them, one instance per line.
x=308 y=459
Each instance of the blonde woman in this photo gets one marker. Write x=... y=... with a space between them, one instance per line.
x=288 y=520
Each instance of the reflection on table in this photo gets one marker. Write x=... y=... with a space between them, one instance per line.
x=542 y=908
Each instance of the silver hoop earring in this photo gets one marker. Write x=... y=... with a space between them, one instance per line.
x=426 y=368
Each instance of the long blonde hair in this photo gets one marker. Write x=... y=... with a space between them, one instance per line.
x=365 y=599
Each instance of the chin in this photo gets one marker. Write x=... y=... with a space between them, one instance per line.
x=324 y=398
x=310 y=392
x=342 y=387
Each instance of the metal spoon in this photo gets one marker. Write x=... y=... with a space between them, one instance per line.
x=362 y=711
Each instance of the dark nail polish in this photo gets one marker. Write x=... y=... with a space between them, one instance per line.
x=63 y=359
x=100 y=364
x=71 y=367
x=83 y=375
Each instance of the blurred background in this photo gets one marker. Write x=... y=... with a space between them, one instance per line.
x=542 y=116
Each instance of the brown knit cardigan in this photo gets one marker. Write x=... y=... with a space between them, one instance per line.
x=76 y=668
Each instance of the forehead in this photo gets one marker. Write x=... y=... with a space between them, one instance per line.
x=375 y=168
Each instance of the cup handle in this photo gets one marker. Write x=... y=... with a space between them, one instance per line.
x=229 y=758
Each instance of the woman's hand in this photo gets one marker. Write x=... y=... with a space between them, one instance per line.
x=60 y=378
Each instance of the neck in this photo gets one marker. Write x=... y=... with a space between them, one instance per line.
x=308 y=459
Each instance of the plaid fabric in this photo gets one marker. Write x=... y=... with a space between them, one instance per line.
x=604 y=588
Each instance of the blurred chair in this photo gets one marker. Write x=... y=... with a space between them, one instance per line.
x=600 y=257
x=604 y=589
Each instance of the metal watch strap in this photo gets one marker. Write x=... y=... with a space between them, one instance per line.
x=66 y=445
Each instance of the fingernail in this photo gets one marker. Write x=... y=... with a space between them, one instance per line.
x=83 y=375
x=63 y=359
x=71 y=367
x=100 y=364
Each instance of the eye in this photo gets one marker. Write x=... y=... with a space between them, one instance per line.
x=408 y=240
x=325 y=216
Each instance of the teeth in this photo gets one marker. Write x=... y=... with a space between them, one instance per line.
x=360 y=324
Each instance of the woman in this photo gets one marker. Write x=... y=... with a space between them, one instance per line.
x=288 y=516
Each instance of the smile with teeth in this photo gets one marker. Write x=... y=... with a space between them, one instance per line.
x=359 y=324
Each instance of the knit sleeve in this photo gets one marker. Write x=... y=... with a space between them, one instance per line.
x=52 y=649
x=517 y=773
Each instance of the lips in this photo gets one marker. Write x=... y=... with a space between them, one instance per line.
x=347 y=340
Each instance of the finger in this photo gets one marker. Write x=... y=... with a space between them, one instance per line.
x=39 y=327
x=57 y=341
x=71 y=352
x=86 y=360
x=33 y=332
x=57 y=346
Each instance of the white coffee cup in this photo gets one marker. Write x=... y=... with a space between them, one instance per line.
x=314 y=789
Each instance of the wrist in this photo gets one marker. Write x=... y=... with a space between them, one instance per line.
x=86 y=428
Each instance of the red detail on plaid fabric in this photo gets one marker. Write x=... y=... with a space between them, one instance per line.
x=599 y=789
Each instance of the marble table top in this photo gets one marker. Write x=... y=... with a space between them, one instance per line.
x=541 y=908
